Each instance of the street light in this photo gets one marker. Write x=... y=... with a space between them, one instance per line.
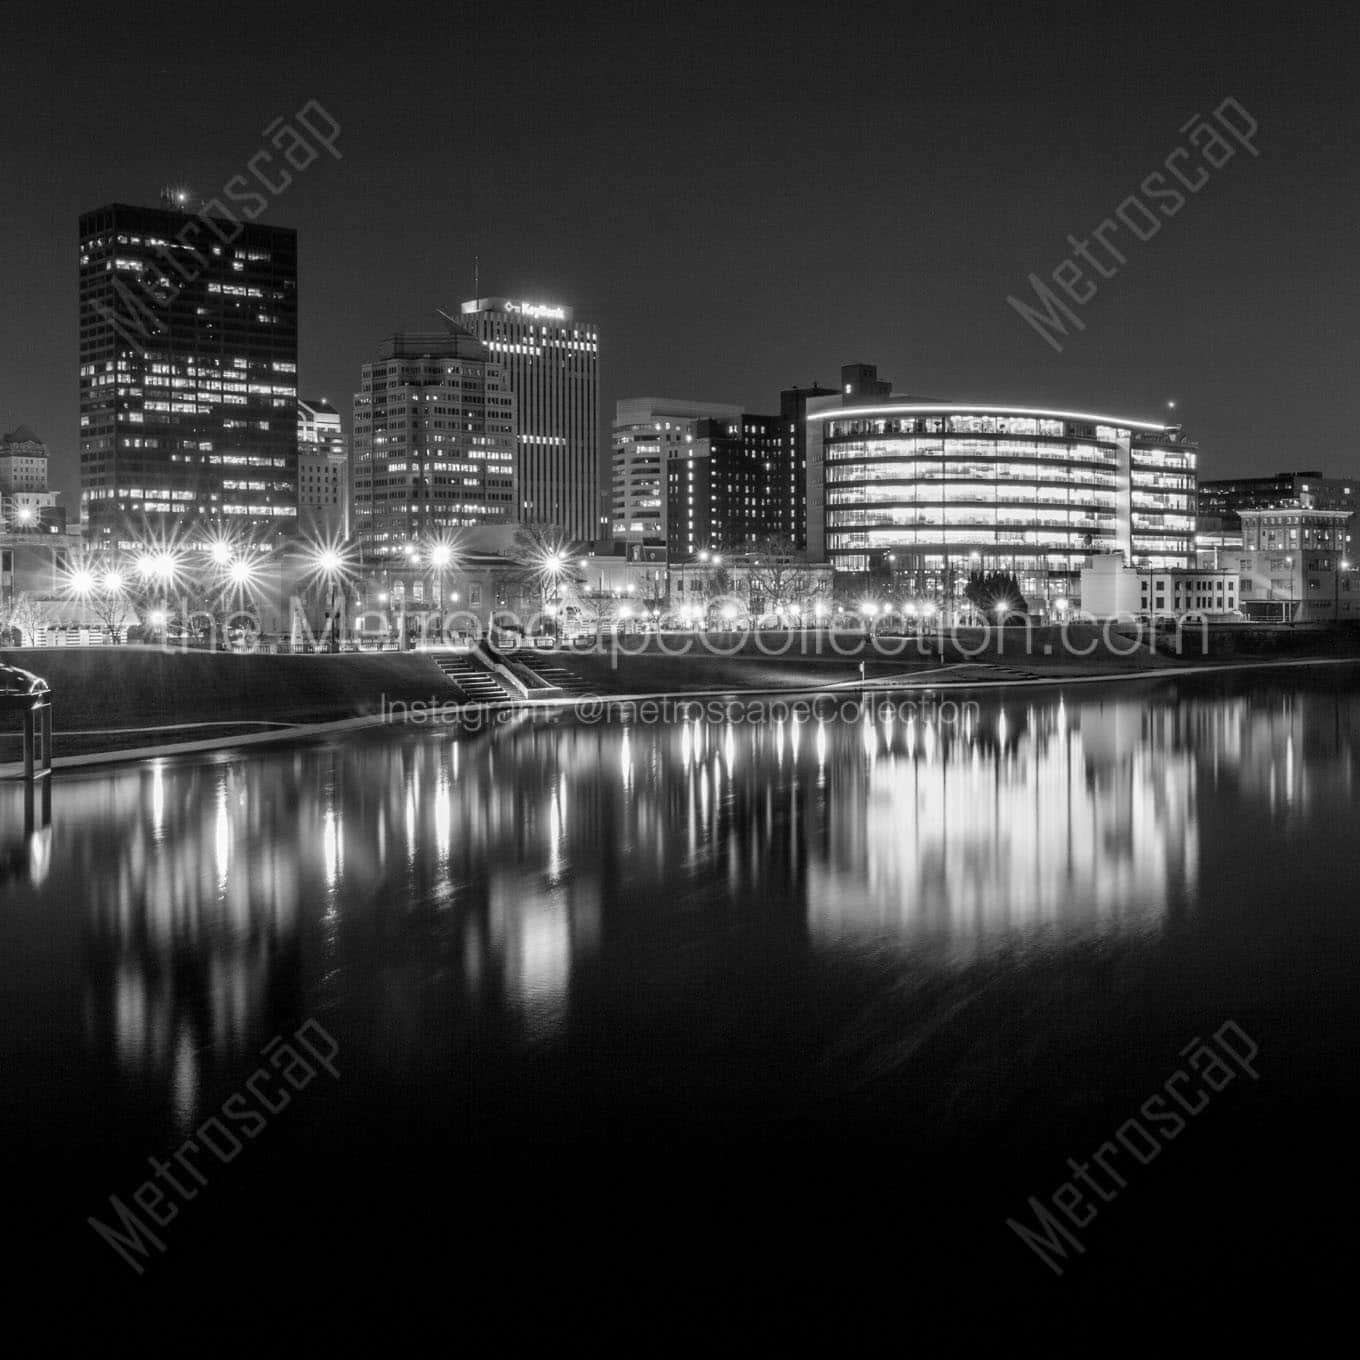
x=554 y=564
x=440 y=557
x=1342 y=565
x=328 y=563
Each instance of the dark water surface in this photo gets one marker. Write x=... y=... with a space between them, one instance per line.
x=717 y=1034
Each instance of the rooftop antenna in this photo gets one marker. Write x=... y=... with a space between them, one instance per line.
x=476 y=276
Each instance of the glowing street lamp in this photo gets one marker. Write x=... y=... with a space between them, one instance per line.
x=441 y=554
x=330 y=565
x=553 y=565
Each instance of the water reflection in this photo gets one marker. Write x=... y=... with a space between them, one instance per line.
x=423 y=884
x=962 y=836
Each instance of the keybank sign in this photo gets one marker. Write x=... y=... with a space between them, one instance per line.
x=536 y=309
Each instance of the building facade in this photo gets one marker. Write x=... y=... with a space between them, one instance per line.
x=188 y=374
x=1110 y=588
x=729 y=488
x=27 y=504
x=434 y=443
x=647 y=433
x=1296 y=565
x=323 y=473
x=551 y=364
x=23 y=462
x=746 y=587
x=932 y=490
x=793 y=404
x=1218 y=538
x=1227 y=497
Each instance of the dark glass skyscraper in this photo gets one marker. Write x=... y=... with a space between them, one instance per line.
x=552 y=365
x=188 y=373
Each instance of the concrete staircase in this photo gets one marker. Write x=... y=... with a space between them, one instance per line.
x=562 y=680
x=477 y=684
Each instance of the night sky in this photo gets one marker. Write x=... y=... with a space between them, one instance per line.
x=743 y=197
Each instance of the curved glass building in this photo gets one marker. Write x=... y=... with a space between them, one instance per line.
x=933 y=490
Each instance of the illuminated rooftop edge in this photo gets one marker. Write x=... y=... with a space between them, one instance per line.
x=951 y=408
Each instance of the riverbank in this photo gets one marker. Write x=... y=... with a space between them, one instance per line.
x=127 y=703
x=113 y=698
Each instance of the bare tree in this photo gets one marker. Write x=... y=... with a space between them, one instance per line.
x=598 y=610
x=111 y=605
x=777 y=575
x=24 y=616
x=544 y=565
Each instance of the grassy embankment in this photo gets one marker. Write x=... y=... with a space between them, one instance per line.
x=101 y=696
x=125 y=688
x=640 y=664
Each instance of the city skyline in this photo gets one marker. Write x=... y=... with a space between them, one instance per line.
x=679 y=678
x=919 y=283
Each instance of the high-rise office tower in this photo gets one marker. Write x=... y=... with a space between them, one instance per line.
x=728 y=489
x=323 y=472
x=434 y=442
x=188 y=373
x=648 y=431
x=793 y=403
x=731 y=479
x=552 y=366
